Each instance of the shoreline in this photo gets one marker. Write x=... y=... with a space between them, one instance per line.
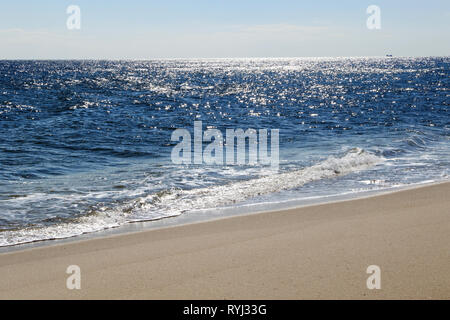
x=226 y=212
x=312 y=252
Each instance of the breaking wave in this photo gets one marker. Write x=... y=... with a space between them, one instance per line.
x=173 y=202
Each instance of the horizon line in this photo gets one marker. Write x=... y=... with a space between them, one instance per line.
x=218 y=58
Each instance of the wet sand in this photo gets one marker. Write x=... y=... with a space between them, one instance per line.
x=315 y=252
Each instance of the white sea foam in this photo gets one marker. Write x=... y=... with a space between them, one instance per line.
x=171 y=203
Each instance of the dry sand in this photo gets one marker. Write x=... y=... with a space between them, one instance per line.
x=316 y=252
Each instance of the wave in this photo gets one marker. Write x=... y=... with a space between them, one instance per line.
x=173 y=202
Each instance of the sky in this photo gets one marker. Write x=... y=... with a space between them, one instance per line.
x=147 y=29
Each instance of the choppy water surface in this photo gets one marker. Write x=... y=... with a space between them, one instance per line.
x=86 y=144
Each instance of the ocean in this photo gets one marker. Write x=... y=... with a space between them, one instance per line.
x=86 y=145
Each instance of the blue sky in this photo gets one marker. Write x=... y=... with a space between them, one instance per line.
x=138 y=29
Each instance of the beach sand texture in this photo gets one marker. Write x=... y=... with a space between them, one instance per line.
x=316 y=252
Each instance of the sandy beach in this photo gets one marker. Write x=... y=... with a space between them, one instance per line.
x=316 y=252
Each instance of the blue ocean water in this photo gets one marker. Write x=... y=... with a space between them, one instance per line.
x=86 y=145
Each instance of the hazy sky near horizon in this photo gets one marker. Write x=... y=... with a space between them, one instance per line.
x=139 y=29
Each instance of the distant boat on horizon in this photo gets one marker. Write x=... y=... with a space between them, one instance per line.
x=389 y=55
